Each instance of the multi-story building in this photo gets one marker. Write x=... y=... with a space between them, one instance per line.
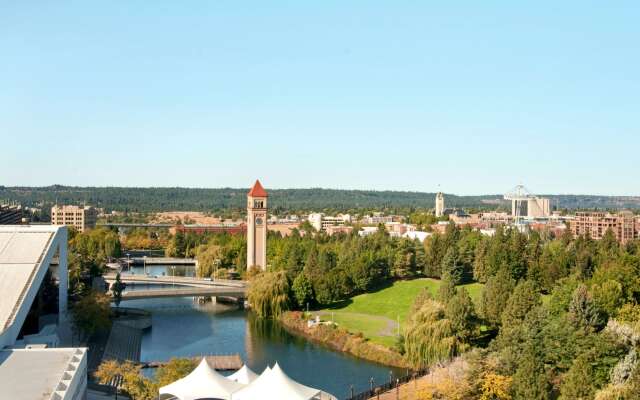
x=595 y=225
x=379 y=218
x=80 y=217
x=10 y=215
x=493 y=218
x=321 y=222
x=538 y=207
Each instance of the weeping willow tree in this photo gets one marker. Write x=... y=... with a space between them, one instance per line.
x=269 y=294
x=429 y=336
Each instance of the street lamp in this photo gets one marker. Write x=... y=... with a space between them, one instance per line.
x=173 y=269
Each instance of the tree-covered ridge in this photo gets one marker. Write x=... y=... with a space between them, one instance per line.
x=201 y=199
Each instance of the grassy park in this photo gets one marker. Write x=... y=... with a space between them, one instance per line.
x=375 y=314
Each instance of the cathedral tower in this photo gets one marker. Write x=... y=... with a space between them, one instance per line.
x=257 y=227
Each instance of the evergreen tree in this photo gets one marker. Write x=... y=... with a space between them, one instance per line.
x=452 y=266
x=495 y=295
x=530 y=381
x=460 y=311
x=447 y=289
x=583 y=312
x=578 y=382
x=523 y=299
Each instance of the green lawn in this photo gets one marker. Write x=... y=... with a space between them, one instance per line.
x=375 y=314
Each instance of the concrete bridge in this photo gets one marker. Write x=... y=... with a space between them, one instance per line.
x=174 y=280
x=158 y=261
x=180 y=286
x=218 y=291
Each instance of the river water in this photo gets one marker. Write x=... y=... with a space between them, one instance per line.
x=184 y=328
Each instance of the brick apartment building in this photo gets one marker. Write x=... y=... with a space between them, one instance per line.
x=624 y=224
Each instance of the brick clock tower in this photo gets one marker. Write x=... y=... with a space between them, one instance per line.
x=257 y=227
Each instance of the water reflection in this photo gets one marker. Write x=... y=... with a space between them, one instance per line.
x=182 y=328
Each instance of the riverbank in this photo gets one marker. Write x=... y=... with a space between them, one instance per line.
x=340 y=339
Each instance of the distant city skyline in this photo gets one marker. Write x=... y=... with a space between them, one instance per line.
x=469 y=99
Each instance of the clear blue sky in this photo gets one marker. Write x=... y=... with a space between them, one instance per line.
x=476 y=96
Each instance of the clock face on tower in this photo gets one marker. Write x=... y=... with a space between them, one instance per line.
x=258 y=221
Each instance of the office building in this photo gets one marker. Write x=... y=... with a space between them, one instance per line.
x=10 y=214
x=80 y=217
x=321 y=222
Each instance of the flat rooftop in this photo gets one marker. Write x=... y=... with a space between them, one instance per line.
x=22 y=249
x=36 y=374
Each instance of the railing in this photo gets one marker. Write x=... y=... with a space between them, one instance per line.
x=385 y=387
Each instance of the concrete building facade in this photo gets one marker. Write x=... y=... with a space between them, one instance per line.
x=80 y=217
x=257 y=227
x=538 y=207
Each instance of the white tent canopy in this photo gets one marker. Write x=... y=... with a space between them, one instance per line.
x=275 y=384
x=244 y=375
x=202 y=383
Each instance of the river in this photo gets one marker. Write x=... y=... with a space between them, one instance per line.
x=184 y=328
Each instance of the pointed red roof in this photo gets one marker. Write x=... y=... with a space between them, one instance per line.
x=257 y=190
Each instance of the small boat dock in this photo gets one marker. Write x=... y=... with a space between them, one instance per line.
x=230 y=362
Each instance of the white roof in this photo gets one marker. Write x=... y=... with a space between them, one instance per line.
x=244 y=375
x=275 y=384
x=203 y=382
x=22 y=249
x=420 y=235
x=38 y=374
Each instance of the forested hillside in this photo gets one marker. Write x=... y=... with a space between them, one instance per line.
x=198 y=199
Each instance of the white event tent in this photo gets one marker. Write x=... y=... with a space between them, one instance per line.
x=244 y=375
x=275 y=384
x=202 y=383
x=205 y=383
